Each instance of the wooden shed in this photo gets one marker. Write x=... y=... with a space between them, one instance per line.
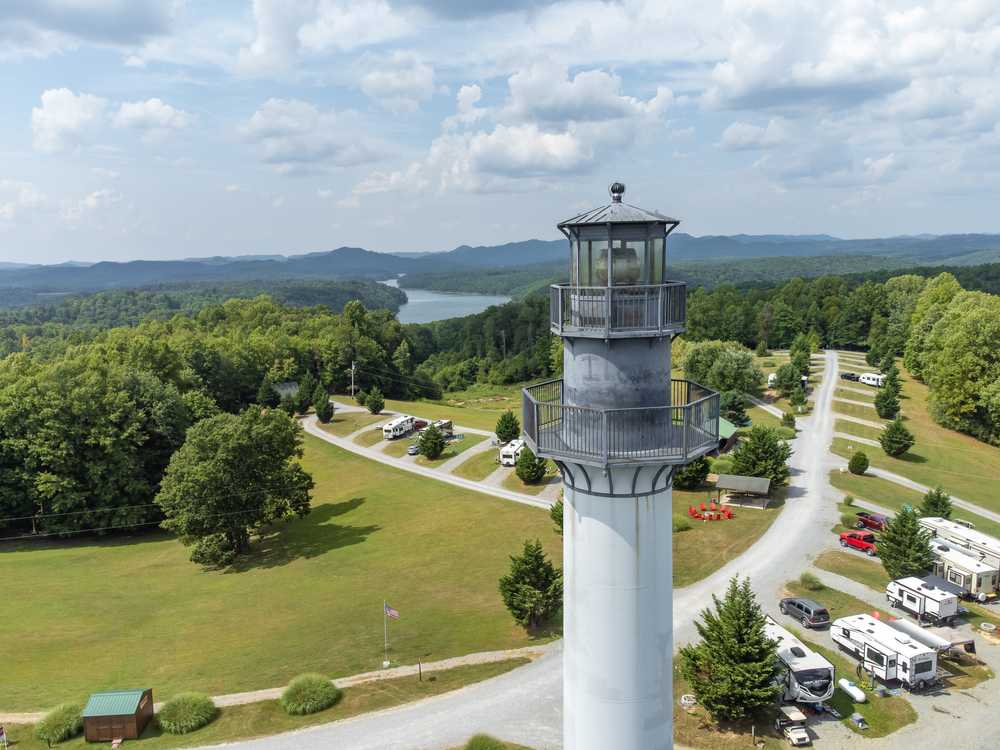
x=117 y=715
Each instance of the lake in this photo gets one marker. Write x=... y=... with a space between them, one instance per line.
x=424 y=306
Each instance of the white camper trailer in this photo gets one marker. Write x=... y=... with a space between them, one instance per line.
x=511 y=452
x=874 y=379
x=772 y=379
x=397 y=427
x=886 y=652
x=807 y=677
x=923 y=600
x=973 y=578
x=975 y=544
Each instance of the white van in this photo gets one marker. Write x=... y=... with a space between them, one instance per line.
x=511 y=452
x=874 y=379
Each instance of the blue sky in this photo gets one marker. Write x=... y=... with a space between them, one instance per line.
x=179 y=128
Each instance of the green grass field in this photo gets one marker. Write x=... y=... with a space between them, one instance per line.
x=95 y=614
x=762 y=416
x=868 y=398
x=344 y=423
x=396 y=448
x=479 y=466
x=853 y=410
x=513 y=481
x=454 y=448
x=854 y=428
x=268 y=717
x=369 y=438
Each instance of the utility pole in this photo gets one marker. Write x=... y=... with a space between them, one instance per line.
x=353 y=368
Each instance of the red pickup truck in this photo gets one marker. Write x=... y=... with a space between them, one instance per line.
x=860 y=540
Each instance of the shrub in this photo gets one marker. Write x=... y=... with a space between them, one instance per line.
x=186 y=712
x=309 y=693
x=786 y=433
x=848 y=520
x=508 y=428
x=763 y=453
x=858 y=463
x=61 y=723
x=556 y=514
x=849 y=500
x=895 y=439
x=529 y=468
x=375 y=402
x=761 y=350
x=691 y=476
x=681 y=524
x=431 y=443
x=722 y=466
x=533 y=589
x=810 y=582
x=788 y=420
x=361 y=397
x=484 y=742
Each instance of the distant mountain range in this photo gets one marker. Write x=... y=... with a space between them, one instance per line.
x=358 y=263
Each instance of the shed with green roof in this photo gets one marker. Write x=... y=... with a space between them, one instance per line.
x=117 y=714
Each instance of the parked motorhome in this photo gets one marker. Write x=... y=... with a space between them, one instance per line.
x=807 y=676
x=398 y=427
x=446 y=426
x=923 y=600
x=874 y=379
x=772 y=379
x=973 y=543
x=886 y=652
x=973 y=578
x=511 y=452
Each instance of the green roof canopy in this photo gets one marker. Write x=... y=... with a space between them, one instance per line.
x=748 y=485
x=113 y=703
x=726 y=428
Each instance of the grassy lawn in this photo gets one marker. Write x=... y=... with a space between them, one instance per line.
x=96 y=614
x=708 y=545
x=454 y=448
x=893 y=496
x=479 y=466
x=369 y=438
x=268 y=717
x=762 y=416
x=853 y=410
x=396 y=448
x=513 y=481
x=344 y=423
x=839 y=603
x=464 y=412
x=853 y=428
x=855 y=567
x=855 y=396
x=933 y=465
x=962 y=464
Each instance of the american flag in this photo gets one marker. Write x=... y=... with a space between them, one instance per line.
x=390 y=612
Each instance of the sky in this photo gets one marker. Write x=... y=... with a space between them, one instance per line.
x=186 y=128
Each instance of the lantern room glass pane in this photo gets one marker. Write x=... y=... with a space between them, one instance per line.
x=574 y=262
x=657 y=277
x=628 y=262
x=598 y=263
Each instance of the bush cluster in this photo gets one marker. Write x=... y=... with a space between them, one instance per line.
x=484 y=742
x=858 y=463
x=810 y=582
x=61 y=723
x=681 y=524
x=186 y=712
x=309 y=693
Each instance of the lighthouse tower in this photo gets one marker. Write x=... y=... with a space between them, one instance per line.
x=617 y=427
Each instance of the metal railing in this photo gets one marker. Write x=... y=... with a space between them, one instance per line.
x=607 y=312
x=678 y=433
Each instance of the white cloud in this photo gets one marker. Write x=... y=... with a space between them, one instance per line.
x=153 y=117
x=104 y=173
x=400 y=83
x=99 y=199
x=233 y=188
x=742 y=136
x=65 y=119
x=296 y=137
x=17 y=196
x=466 y=101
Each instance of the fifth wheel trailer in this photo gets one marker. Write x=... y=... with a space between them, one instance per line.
x=974 y=543
x=972 y=577
x=923 y=600
x=886 y=652
x=807 y=677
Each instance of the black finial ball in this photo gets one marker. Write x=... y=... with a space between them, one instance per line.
x=617 y=190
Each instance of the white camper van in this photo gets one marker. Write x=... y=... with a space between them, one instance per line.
x=511 y=452
x=973 y=543
x=872 y=378
x=923 y=600
x=886 y=652
x=398 y=427
x=772 y=379
x=807 y=677
x=969 y=575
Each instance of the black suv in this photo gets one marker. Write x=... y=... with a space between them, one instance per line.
x=806 y=611
x=850 y=376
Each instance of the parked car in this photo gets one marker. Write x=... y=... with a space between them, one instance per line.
x=413 y=450
x=419 y=424
x=806 y=611
x=791 y=724
x=849 y=376
x=860 y=540
x=873 y=521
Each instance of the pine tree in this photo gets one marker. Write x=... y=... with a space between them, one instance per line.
x=761 y=350
x=798 y=397
x=733 y=406
x=905 y=547
x=532 y=590
x=322 y=404
x=529 y=468
x=691 y=476
x=762 y=453
x=304 y=396
x=936 y=504
x=266 y=394
x=788 y=420
x=431 y=443
x=887 y=403
x=375 y=401
x=858 y=463
x=895 y=438
x=508 y=428
x=732 y=671
x=556 y=512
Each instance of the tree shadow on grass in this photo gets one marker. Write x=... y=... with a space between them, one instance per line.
x=309 y=537
x=912 y=458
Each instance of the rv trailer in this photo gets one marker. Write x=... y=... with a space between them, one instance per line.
x=807 y=677
x=973 y=543
x=886 y=652
x=972 y=578
x=874 y=379
x=923 y=600
x=511 y=452
x=397 y=427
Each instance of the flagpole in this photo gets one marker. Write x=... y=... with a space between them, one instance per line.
x=385 y=626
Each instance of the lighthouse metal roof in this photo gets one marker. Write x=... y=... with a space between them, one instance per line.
x=617 y=212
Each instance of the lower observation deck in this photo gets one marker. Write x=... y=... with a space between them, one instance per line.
x=675 y=434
